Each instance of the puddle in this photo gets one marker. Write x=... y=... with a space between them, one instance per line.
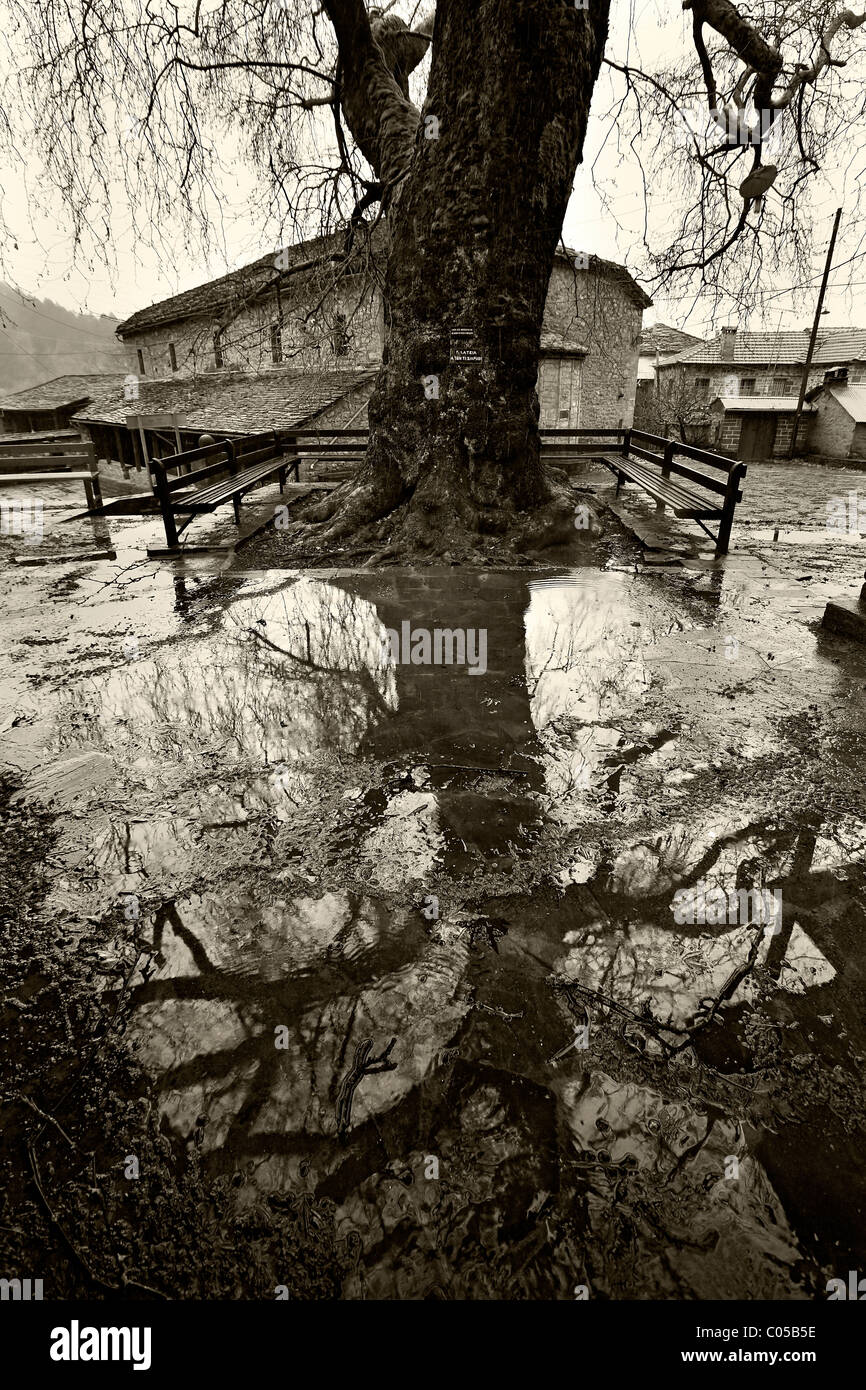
x=328 y=849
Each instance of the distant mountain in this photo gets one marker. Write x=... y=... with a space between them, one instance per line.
x=40 y=340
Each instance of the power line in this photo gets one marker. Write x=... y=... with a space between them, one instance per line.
x=70 y=352
x=777 y=294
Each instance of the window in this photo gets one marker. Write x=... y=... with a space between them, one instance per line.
x=569 y=392
x=747 y=386
x=702 y=385
x=141 y=367
x=340 y=336
x=217 y=349
x=276 y=342
x=782 y=386
x=172 y=357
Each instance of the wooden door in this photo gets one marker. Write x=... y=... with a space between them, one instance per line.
x=757 y=437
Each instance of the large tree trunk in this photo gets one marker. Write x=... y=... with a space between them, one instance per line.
x=474 y=226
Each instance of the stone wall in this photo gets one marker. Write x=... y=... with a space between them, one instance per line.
x=832 y=428
x=724 y=375
x=591 y=310
x=588 y=373
x=349 y=316
x=726 y=436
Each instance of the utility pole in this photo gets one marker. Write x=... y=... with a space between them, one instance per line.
x=805 y=382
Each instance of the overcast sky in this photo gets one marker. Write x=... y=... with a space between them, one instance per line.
x=44 y=265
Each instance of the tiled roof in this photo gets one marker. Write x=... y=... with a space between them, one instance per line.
x=62 y=390
x=231 y=402
x=770 y=404
x=781 y=349
x=611 y=270
x=852 y=399
x=229 y=292
x=663 y=339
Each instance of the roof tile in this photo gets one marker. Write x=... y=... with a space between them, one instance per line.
x=231 y=402
x=852 y=399
x=780 y=349
x=60 y=391
x=313 y=259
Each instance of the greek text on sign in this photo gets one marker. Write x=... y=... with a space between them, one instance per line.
x=465 y=346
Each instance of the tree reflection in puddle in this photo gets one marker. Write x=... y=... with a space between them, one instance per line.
x=351 y=850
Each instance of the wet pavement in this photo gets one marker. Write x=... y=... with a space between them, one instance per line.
x=480 y=956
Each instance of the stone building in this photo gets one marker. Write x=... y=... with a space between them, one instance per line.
x=658 y=345
x=589 y=344
x=838 y=427
x=757 y=427
x=295 y=338
x=309 y=307
x=49 y=407
x=751 y=381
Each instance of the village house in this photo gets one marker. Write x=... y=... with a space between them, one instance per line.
x=838 y=427
x=660 y=344
x=745 y=386
x=49 y=407
x=659 y=411
x=296 y=337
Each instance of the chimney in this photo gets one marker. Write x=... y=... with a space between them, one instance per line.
x=728 y=345
x=837 y=376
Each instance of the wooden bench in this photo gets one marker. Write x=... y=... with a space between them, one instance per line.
x=647 y=460
x=246 y=462
x=52 y=461
x=340 y=449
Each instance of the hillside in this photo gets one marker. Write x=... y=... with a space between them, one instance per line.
x=40 y=340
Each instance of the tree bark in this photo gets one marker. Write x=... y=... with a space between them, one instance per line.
x=474 y=226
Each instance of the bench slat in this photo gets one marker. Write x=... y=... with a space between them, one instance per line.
x=681 y=502
x=689 y=451
x=68 y=477
x=710 y=483
x=669 y=485
x=224 y=491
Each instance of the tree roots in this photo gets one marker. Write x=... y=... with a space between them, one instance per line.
x=382 y=525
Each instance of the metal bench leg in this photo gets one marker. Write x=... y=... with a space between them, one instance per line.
x=620 y=479
x=97 y=488
x=236 y=503
x=88 y=492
